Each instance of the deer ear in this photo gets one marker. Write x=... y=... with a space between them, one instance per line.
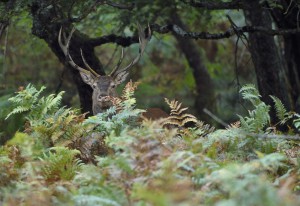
x=87 y=77
x=120 y=77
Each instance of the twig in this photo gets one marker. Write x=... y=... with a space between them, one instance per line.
x=217 y=119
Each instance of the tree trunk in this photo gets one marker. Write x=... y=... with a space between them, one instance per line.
x=46 y=24
x=288 y=20
x=270 y=68
x=204 y=85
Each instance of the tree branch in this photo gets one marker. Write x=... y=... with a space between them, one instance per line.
x=127 y=41
x=211 y=5
x=222 y=35
x=112 y=38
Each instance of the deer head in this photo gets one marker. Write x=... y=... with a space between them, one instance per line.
x=104 y=86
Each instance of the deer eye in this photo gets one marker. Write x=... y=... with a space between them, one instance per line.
x=113 y=86
x=94 y=86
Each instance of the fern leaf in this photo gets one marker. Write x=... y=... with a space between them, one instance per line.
x=18 y=110
x=249 y=92
x=189 y=120
x=178 y=111
x=178 y=117
x=281 y=111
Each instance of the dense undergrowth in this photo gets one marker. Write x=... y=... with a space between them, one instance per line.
x=116 y=158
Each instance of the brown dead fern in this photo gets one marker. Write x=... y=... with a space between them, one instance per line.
x=235 y=125
x=129 y=90
x=127 y=94
x=178 y=118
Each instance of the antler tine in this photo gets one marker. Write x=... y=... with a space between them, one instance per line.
x=143 y=43
x=119 y=63
x=87 y=65
x=65 y=49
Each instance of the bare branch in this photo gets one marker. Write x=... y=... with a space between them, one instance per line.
x=239 y=31
x=212 y=5
x=228 y=33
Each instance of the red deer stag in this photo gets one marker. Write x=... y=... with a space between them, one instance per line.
x=104 y=86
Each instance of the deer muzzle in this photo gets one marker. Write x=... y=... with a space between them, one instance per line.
x=104 y=102
x=104 y=99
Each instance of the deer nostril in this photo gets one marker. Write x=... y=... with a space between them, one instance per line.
x=103 y=98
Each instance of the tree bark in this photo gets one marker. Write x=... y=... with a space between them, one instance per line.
x=47 y=22
x=204 y=85
x=271 y=71
x=286 y=18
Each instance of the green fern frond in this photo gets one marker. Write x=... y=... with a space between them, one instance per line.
x=281 y=111
x=18 y=110
x=250 y=93
x=244 y=123
x=60 y=164
x=28 y=100
x=259 y=117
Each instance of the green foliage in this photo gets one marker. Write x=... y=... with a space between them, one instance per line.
x=281 y=111
x=10 y=126
x=48 y=123
x=297 y=122
x=258 y=118
x=149 y=164
x=60 y=164
x=28 y=100
x=231 y=182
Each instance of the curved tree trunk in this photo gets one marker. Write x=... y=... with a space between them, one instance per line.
x=271 y=71
x=46 y=26
x=204 y=84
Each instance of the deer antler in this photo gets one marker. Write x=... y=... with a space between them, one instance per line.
x=87 y=65
x=119 y=63
x=65 y=49
x=143 y=41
